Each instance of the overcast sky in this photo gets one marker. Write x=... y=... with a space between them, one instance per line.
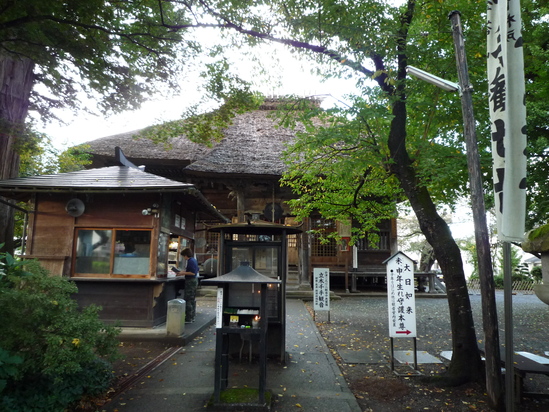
x=287 y=75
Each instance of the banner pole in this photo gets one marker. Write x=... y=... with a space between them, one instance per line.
x=509 y=350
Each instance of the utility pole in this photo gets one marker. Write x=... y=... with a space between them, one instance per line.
x=489 y=313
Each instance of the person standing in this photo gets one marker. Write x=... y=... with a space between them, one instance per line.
x=191 y=283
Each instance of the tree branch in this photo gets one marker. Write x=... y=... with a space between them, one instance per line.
x=332 y=54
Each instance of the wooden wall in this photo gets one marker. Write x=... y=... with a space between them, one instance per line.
x=50 y=237
x=52 y=229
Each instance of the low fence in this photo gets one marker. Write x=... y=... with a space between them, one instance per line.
x=525 y=287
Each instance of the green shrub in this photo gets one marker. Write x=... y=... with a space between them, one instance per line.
x=8 y=367
x=535 y=273
x=498 y=281
x=65 y=350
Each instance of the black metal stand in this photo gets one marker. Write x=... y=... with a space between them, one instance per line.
x=415 y=372
x=221 y=375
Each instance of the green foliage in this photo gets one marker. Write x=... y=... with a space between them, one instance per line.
x=516 y=258
x=243 y=396
x=8 y=367
x=536 y=55
x=233 y=95
x=64 y=350
x=39 y=157
x=114 y=52
x=498 y=281
x=521 y=272
x=338 y=166
x=470 y=247
x=333 y=36
x=538 y=232
x=536 y=273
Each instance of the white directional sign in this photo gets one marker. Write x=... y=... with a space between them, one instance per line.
x=401 y=296
x=219 y=309
x=321 y=288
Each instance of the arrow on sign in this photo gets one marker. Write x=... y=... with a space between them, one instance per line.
x=407 y=332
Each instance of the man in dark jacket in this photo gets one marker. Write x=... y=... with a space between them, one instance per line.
x=191 y=283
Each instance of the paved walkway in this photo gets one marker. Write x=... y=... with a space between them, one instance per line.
x=310 y=381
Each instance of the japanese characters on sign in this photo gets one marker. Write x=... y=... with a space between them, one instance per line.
x=321 y=289
x=401 y=296
x=219 y=309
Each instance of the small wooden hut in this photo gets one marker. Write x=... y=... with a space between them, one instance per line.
x=115 y=231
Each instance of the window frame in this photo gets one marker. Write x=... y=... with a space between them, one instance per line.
x=113 y=256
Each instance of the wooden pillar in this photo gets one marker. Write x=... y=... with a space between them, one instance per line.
x=240 y=205
x=305 y=255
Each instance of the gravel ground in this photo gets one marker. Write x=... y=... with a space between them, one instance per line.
x=359 y=323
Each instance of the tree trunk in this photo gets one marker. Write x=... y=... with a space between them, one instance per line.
x=427 y=258
x=16 y=82
x=466 y=364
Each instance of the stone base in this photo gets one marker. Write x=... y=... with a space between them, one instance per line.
x=542 y=292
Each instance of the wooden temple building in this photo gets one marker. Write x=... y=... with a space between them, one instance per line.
x=116 y=228
x=240 y=176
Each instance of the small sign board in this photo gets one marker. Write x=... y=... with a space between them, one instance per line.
x=401 y=296
x=321 y=288
x=219 y=309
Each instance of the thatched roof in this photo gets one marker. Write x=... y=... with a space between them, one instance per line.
x=136 y=147
x=252 y=146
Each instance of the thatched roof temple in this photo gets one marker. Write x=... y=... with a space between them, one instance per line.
x=252 y=146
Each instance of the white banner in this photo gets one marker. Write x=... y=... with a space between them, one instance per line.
x=508 y=116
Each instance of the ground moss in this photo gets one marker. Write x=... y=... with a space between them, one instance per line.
x=243 y=396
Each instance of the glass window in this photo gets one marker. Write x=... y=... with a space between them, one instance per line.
x=93 y=251
x=266 y=261
x=321 y=244
x=97 y=254
x=263 y=259
x=132 y=252
x=241 y=254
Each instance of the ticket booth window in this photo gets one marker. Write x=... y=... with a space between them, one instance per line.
x=111 y=252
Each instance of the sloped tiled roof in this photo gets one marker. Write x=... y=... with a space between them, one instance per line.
x=114 y=178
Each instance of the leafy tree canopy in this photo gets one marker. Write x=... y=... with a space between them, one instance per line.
x=536 y=42
x=114 y=53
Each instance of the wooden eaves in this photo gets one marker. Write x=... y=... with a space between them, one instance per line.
x=114 y=179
